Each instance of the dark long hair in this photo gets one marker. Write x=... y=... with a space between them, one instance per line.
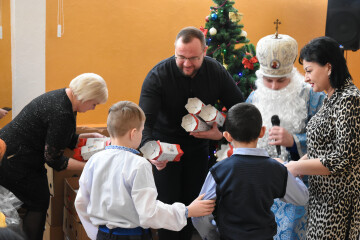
x=323 y=50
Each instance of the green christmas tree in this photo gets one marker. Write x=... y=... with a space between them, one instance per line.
x=229 y=45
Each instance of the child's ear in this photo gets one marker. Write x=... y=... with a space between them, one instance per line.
x=227 y=136
x=132 y=133
x=262 y=132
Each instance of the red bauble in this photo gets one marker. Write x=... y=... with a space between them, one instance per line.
x=207 y=18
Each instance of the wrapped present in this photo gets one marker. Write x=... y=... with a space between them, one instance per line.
x=226 y=150
x=192 y=123
x=160 y=151
x=88 y=147
x=93 y=145
x=194 y=105
x=210 y=115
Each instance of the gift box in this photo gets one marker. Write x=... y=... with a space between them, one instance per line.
x=160 y=151
x=92 y=146
x=210 y=115
x=226 y=150
x=192 y=123
x=194 y=105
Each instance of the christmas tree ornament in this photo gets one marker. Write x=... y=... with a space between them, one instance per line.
x=243 y=33
x=235 y=17
x=214 y=16
x=213 y=31
x=207 y=18
x=204 y=30
x=223 y=63
x=249 y=63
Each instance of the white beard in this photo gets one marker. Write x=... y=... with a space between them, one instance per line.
x=286 y=103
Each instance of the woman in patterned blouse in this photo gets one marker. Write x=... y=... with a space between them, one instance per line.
x=39 y=134
x=333 y=158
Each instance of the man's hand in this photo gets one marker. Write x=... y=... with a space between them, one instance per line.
x=199 y=207
x=160 y=165
x=212 y=134
x=280 y=136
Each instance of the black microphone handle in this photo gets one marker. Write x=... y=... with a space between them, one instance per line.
x=278 y=150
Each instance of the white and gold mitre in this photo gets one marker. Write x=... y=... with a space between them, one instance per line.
x=276 y=55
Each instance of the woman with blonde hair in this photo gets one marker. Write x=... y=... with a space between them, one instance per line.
x=39 y=134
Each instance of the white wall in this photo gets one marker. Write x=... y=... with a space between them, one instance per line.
x=28 y=18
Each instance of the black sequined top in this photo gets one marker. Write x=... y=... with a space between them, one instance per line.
x=41 y=132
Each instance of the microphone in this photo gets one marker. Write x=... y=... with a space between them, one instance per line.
x=275 y=121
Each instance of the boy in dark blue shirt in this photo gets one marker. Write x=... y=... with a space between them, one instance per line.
x=246 y=184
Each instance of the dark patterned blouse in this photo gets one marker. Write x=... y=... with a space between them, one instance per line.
x=334 y=137
x=41 y=132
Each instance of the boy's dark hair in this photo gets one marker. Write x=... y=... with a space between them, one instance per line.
x=243 y=122
x=323 y=50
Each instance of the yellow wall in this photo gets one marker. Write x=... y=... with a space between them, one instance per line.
x=5 y=62
x=123 y=40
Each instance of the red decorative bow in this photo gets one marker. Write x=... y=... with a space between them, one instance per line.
x=204 y=30
x=249 y=63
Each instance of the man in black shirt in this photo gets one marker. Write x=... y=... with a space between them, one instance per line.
x=165 y=91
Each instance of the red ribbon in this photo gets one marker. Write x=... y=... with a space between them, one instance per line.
x=249 y=63
x=204 y=30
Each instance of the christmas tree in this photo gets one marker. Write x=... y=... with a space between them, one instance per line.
x=229 y=45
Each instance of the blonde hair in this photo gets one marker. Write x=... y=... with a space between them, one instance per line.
x=89 y=86
x=124 y=116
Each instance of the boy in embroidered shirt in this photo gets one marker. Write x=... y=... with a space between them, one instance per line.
x=246 y=183
x=117 y=194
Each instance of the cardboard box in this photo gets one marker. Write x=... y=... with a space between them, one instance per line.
x=56 y=179
x=210 y=115
x=161 y=151
x=93 y=128
x=194 y=105
x=73 y=229
x=225 y=151
x=70 y=190
x=192 y=123
x=53 y=233
x=54 y=214
x=93 y=145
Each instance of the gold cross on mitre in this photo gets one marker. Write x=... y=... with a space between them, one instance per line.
x=277 y=27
